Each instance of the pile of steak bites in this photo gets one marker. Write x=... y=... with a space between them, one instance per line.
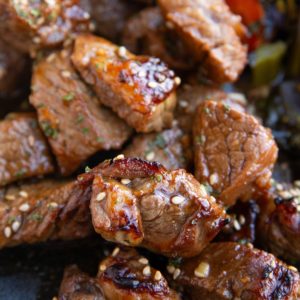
x=190 y=173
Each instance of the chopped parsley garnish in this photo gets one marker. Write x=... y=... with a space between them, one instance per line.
x=48 y=129
x=158 y=177
x=35 y=217
x=79 y=119
x=68 y=97
x=100 y=139
x=20 y=173
x=200 y=139
x=85 y=130
x=87 y=169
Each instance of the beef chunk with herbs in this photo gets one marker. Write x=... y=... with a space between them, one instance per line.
x=169 y=147
x=211 y=33
x=32 y=25
x=234 y=271
x=24 y=151
x=76 y=125
x=46 y=210
x=233 y=152
x=140 y=203
x=279 y=221
x=139 y=89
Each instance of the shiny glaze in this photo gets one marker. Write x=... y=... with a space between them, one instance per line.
x=143 y=213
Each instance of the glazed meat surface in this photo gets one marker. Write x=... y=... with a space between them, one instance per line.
x=24 y=151
x=75 y=124
x=233 y=152
x=32 y=25
x=191 y=96
x=147 y=33
x=123 y=275
x=13 y=64
x=234 y=271
x=139 y=203
x=139 y=89
x=279 y=221
x=77 y=285
x=46 y=210
x=169 y=147
x=127 y=275
x=211 y=33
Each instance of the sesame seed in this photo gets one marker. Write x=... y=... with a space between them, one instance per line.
x=202 y=270
x=143 y=261
x=214 y=178
x=24 y=207
x=177 y=200
x=23 y=194
x=31 y=140
x=169 y=25
x=292 y=268
x=125 y=181
x=10 y=197
x=50 y=58
x=242 y=219
x=157 y=276
x=170 y=269
x=176 y=273
x=147 y=271
x=202 y=191
x=7 y=232
x=120 y=156
x=150 y=156
x=101 y=196
x=152 y=84
x=122 y=51
x=183 y=103
x=36 y=40
x=86 y=15
x=102 y=267
x=15 y=226
x=53 y=205
x=66 y=74
x=142 y=74
x=297 y=183
x=177 y=80
x=285 y=194
x=212 y=199
x=236 y=225
x=115 y=252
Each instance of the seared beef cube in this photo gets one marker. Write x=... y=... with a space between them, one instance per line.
x=46 y=210
x=279 y=221
x=13 y=64
x=138 y=88
x=140 y=203
x=211 y=33
x=233 y=271
x=169 y=147
x=190 y=96
x=233 y=152
x=77 y=285
x=127 y=275
x=70 y=116
x=123 y=275
x=147 y=33
x=24 y=151
x=32 y=25
x=242 y=226
x=109 y=16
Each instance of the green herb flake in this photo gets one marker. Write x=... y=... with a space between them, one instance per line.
x=227 y=107
x=20 y=173
x=85 y=130
x=201 y=139
x=79 y=119
x=11 y=219
x=35 y=217
x=35 y=12
x=87 y=169
x=49 y=130
x=69 y=97
x=206 y=110
x=175 y=261
x=100 y=139
x=158 y=177
x=208 y=188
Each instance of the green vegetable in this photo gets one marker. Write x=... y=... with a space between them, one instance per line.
x=266 y=62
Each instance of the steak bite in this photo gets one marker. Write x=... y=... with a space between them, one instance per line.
x=147 y=33
x=13 y=64
x=138 y=88
x=169 y=147
x=77 y=285
x=191 y=96
x=70 y=116
x=127 y=275
x=46 y=210
x=32 y=25
x=233 y=152
x=234 y=271
x=123 y=275
x=24 y=151
x=139 y=203
x=212 y=35
x=279 y=221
